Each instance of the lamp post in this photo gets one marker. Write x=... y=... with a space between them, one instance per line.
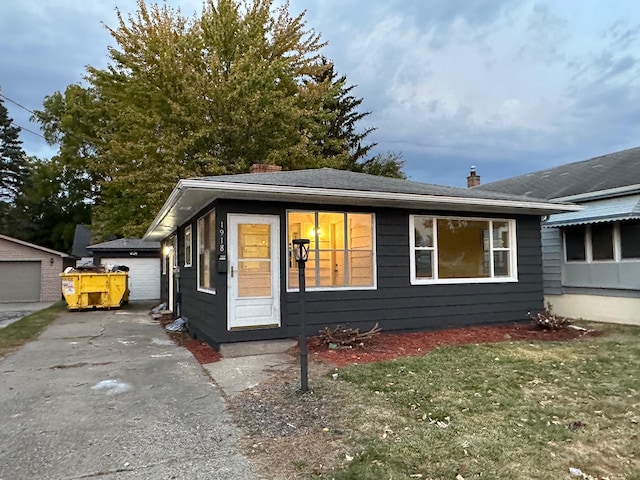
x=301 y=254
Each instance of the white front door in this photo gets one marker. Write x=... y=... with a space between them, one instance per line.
x=253 y=272
x=171 y=260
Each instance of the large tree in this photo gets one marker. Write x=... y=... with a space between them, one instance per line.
x=12 y=158
x=51 y=203
x=240 y=83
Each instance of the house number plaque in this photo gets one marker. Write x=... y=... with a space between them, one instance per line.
x=222 y=249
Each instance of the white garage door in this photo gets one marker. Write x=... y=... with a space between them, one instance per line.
x=20 y=281
x=144 y=276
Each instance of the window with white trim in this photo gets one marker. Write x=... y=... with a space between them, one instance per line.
x=188 y=246
x=206 y=252
x=341 y=252
x=602 y=242
x=462 y=250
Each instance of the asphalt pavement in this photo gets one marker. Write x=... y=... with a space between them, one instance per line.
x=107 y=395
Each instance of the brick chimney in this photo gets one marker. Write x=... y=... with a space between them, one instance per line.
x=473 y=179
x=264 y=168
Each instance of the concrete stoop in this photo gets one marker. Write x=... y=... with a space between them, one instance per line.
x=261 y=347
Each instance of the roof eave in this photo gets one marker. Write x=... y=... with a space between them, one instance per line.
x=179 y=201
x=601 y=194
x=36 y=247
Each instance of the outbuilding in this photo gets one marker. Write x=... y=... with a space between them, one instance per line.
x=407 y=255
x=30 y=273
x=142 y=259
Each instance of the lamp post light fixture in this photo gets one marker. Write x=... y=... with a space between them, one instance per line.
x=301 y=254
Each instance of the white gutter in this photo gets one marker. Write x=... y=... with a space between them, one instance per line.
x=611 y=192
x=337 y=193
x=173 y=198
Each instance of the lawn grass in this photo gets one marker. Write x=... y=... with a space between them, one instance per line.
x=20 y=332
x=514 y=410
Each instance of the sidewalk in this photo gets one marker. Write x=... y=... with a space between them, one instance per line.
x=106 y=394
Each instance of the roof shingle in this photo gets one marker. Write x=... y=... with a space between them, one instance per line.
x=606 y=172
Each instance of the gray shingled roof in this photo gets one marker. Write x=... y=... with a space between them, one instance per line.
x=81 y=239
x=126 y=244
x=347 y=180
x=327 y=186
x=610 y=171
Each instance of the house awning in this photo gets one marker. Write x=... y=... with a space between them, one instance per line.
x=608 y=210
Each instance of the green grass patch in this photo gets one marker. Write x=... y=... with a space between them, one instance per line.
x=512 y=410
x=20 y=332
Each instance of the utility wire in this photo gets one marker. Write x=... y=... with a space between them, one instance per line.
x=27 y=130
x=16 y=103
x=24 y=108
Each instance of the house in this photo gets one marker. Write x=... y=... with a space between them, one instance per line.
x=30 y=273
x=591 y=257
x=142 y=259
x=81 y=240
x=407 y=255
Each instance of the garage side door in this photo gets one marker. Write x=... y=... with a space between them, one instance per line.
x=144 y=276
x=19 y=281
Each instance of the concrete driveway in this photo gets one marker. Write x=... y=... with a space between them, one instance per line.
x=12 y=312
x=106 y=394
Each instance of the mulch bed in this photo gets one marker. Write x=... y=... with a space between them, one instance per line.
x=387 y=346
x=202 y=352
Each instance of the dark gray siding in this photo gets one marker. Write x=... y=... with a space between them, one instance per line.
x=552 y=260
x=396 y=304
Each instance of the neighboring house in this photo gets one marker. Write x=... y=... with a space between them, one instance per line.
x=407 y=255
x=143 y=260
x=81 y=240
x=591 y=257
x=30 y=273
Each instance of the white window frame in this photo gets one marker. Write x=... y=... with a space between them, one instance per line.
x=200 y=233
x=165 y=256
x=373 y=252
x=513 y=250
x=188 y=246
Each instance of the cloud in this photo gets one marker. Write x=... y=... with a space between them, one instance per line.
x=507 y=85
x=491 y=82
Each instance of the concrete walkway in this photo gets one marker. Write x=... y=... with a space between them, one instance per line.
x=106 y=394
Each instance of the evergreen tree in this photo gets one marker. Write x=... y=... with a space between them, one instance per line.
x=342 y=124
x=12 y=159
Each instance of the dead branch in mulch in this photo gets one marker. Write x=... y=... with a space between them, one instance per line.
x=343 y=336
x=547 y=320
x=387 y=346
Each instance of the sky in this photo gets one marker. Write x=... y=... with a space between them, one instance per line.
x=508 y=86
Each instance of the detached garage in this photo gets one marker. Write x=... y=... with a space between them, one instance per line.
x=30 y=273
x=143 y=260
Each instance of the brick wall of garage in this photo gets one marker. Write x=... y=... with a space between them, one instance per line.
x=50 y=282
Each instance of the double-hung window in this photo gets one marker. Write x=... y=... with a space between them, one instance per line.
x=188 y=246
x=462 y=250
x=341 y=252
x=206 y=252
